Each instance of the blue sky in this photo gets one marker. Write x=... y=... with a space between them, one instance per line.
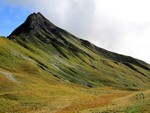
x=11 y=17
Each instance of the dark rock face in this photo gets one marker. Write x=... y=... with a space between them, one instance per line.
x=34 y=23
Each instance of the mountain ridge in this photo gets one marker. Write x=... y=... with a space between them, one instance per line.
x=36 y=23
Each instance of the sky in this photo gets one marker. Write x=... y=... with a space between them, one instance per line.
x=121 y=26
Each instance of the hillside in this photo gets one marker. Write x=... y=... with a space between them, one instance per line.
x=45 y=68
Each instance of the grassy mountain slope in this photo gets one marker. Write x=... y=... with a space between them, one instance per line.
x=46 y=69
x=70 y=58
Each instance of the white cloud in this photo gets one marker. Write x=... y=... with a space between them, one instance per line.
x=122 y=26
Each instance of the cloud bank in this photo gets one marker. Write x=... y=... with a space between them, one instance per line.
x=116 y=25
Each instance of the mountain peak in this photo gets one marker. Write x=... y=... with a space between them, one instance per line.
x=34 y=23
x=36 y=17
